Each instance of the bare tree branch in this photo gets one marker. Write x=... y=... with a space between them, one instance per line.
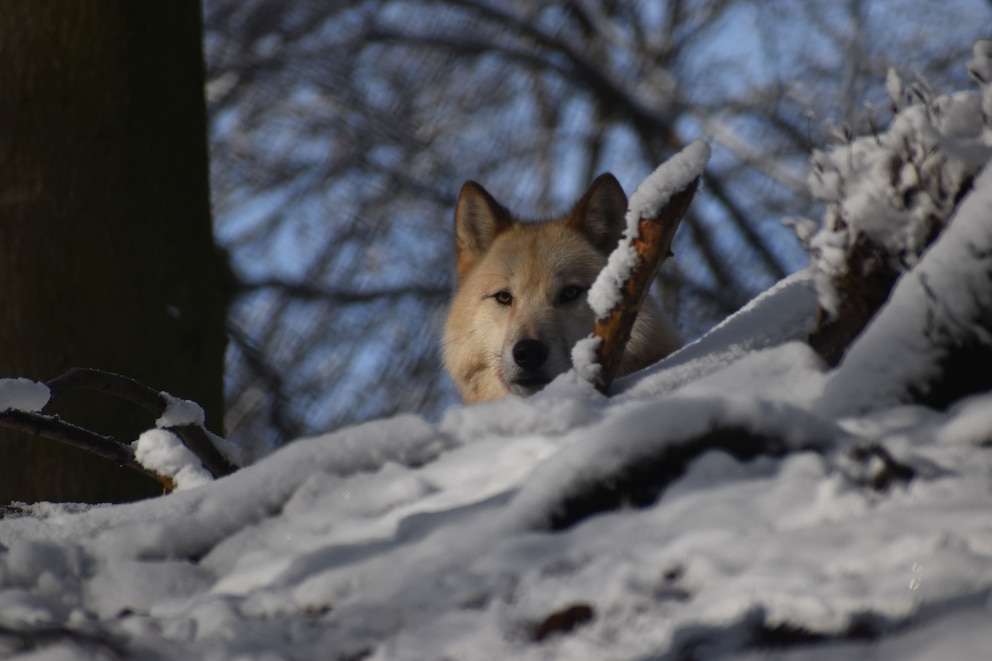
x=715 y=185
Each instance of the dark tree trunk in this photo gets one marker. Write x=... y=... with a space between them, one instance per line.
x=106 y=253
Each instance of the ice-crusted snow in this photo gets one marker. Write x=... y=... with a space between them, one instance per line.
x=648 y=200
x=23 y=395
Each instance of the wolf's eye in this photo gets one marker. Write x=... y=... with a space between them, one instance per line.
x=503 y=297
x=570 y=293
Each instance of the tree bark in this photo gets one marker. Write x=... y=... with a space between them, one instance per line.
x=106 y=252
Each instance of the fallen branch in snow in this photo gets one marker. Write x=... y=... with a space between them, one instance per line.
x=884 y=469
x=653 y=244
x=656 y=209
x=633 y=469
x=39 y=424
x=759 y=630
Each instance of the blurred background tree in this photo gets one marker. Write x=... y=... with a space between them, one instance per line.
x=341 y=133
x=107 y=258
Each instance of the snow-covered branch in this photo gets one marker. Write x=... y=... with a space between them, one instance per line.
x=656 y=208
x=56 y=429
x=182 y=417
x=180 y=452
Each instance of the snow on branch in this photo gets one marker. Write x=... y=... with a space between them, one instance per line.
x=654 y=213
x=182 y=417
x=180 y=453
x=56 y=429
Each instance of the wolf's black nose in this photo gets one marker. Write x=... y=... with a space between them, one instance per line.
x=530 y=354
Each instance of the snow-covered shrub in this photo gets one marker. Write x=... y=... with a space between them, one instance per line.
x=889 y=194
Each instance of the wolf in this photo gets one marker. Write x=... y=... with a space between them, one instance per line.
x=520 y=301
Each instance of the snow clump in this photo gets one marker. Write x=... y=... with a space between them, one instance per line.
x=163 y=452
x=179 y=412
x=23 y=395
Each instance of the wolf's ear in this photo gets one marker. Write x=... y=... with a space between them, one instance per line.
x=478 y=220
x=601 y=212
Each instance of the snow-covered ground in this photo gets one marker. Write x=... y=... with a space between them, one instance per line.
x=738 y=500
x=707 y=509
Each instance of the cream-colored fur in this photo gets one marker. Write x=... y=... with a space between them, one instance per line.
x=520 y=305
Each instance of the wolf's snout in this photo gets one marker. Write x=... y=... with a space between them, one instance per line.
x=530 y=354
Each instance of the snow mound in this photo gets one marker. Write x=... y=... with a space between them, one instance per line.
x=944 y=305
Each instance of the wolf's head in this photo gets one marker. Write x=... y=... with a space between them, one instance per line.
x=520 y=304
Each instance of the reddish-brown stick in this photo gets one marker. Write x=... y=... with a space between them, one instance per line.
x=653 y=244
